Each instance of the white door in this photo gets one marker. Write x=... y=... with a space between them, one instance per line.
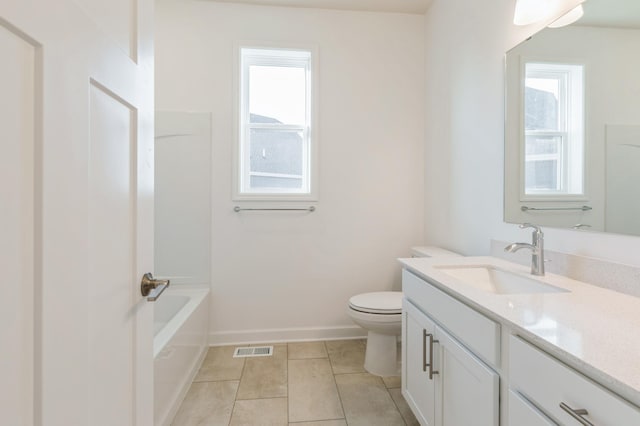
x=467 y=390
x=76 y=212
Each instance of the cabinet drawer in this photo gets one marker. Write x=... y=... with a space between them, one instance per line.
x=523 y=413
x=547 y=383
x=474 y=330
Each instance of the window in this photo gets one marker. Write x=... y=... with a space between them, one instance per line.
x=275 y=128
x=553 y=129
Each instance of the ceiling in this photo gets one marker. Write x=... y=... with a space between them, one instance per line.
x=611 y=13
x=397 y=6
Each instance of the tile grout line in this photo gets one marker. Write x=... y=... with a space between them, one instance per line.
x=262 y=398
x=287 y=373
x=235 y=397
x=344 y=413
x=288 y=385
x=233 y=406
x=357 y=372
x=396 y=405
x=216 y=381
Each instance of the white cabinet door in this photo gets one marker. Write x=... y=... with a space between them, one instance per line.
x=76 y=212
x=467 y=390
x=417 y=388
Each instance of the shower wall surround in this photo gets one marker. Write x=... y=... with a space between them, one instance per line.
x=183 y=197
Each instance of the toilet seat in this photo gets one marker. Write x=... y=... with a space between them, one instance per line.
x=381 y=303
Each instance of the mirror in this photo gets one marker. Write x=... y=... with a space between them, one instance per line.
x=572 y=123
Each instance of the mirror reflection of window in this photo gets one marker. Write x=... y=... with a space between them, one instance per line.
x=553 y=129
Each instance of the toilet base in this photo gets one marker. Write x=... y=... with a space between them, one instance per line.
x=381 y=358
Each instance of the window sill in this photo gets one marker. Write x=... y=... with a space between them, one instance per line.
x=276 y=197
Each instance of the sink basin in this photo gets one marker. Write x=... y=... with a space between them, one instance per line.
x=499 y=281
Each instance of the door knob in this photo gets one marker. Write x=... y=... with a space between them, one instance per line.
x=150 y=284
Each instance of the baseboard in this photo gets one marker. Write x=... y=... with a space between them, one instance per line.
x=223 y=338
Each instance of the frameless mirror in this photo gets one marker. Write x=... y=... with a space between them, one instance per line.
x=572 y=123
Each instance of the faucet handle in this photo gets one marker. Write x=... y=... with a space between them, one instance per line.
x=536 y=228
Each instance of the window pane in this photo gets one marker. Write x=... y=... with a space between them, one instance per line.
x=541 y=106
x=277 y=94
x=277 y=158
x=541 y=175
x=275 y=182
x=543 y=155
x=538 y=145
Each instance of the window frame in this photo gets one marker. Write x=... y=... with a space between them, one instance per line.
x=243 y=127
x=571 y=129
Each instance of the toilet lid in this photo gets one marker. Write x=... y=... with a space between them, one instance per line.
x=382 y=302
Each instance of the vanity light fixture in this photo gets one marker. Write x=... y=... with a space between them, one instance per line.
x=532 y=11
x=569 y=18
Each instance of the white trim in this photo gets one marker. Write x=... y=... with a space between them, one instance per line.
x=559 y=198
x=278 y=175
x=312 y=120
x=568 y=71
x=276 y=335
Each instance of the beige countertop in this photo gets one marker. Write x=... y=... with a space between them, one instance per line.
x=590 y=328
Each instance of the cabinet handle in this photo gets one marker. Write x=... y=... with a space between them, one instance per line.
x=577 y=414
x=430 y=364
x=424 y=350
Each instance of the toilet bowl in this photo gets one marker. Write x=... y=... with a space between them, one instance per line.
x=379 y=313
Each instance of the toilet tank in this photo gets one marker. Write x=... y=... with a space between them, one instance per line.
x=431 y=251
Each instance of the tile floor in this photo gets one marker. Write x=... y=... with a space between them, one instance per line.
x=311 y=383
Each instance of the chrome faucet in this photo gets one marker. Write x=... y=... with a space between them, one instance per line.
x=536 y=247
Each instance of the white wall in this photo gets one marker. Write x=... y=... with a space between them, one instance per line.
x=465 y=45
x=288 y=274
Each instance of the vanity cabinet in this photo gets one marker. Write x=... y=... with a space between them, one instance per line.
x=443 y=382
x=562 y=393
x=488 y=369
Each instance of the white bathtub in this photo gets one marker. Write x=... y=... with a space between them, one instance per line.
x=181 y=321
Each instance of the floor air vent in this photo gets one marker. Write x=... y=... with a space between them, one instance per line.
x=253 y=351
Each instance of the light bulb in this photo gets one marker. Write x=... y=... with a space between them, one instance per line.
x=532 y=11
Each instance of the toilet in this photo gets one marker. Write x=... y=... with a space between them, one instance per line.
x=380 y=313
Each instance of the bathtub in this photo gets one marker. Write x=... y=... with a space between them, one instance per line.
x=181 y=321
